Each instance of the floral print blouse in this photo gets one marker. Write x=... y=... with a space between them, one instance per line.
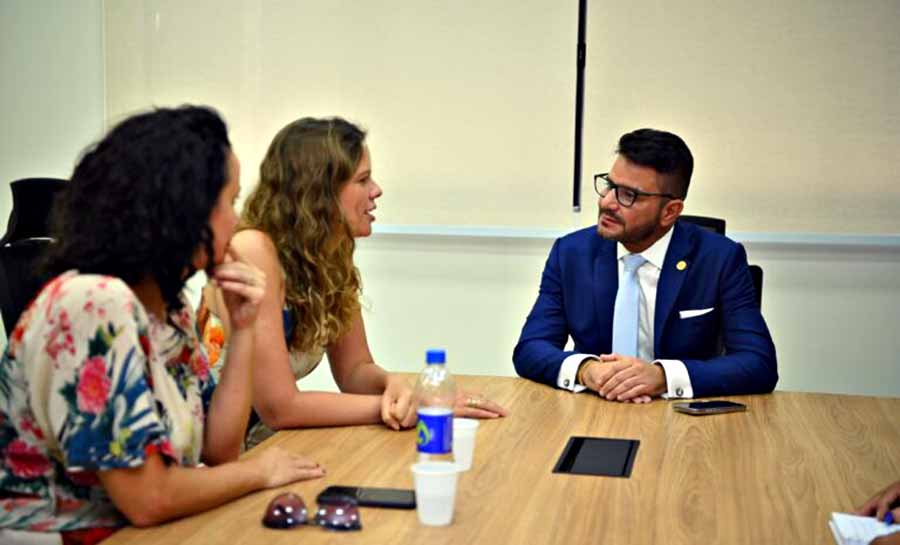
x=89 y=382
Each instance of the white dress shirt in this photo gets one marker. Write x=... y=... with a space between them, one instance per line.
x=678 y=382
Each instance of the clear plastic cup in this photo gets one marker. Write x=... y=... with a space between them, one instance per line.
x=464 y=432
x=435 y=491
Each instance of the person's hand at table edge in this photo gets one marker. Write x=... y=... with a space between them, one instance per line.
x=881 y=503
x=474 y=405
x=398 y=407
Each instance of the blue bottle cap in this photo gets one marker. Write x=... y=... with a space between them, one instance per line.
x=435 y=355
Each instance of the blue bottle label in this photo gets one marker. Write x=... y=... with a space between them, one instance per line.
x=435 y=430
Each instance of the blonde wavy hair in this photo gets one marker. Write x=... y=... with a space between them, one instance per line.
x=296 y=205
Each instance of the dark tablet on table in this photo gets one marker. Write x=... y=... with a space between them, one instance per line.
x=598 y=456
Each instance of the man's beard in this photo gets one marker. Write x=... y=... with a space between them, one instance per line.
x=626 y=235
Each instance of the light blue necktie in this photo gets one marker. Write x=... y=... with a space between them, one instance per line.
x=625 y=316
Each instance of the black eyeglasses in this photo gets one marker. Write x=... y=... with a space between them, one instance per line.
x=335 y=513
x=624 y=194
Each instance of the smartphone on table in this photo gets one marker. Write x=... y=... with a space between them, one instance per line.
x=395 y=498
x=717 y=406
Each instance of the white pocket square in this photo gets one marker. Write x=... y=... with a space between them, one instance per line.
x=683 y=314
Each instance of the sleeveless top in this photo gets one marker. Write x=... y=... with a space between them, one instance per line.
x=212 y=333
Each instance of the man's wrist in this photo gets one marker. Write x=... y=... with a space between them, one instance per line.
x=663 y=387
x=581 y=368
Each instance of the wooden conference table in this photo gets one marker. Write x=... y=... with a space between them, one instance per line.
x=770 y=475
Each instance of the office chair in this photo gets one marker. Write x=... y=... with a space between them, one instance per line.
x=717 y=225
x=22 y=247
x=756 y=273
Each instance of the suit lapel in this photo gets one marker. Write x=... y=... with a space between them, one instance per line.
x=606 y=283
x=671 y=278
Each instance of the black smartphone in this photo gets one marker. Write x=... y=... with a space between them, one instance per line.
x=709 y=407
x=395 y=498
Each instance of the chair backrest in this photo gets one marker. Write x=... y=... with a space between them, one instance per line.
x=756 y=273
x=716 y=225
x=20 y=278
x=22 y=247
x=32 y=202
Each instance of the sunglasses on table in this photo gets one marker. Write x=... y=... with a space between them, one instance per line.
x=288 y=510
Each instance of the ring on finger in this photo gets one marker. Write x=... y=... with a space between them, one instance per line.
x=472 y=402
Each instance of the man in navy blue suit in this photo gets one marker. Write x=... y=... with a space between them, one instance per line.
x=685 y=320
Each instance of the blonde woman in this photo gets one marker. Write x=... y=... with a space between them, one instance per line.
x=315 y=195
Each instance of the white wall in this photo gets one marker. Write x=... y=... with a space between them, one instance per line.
x=51 y=88
x=466 y=102
x=834 y=311
x=470 y=104
x=781 y=102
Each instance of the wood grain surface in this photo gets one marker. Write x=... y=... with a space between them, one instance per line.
x=770 y=475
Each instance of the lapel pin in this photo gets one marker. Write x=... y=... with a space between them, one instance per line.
x=682 y=265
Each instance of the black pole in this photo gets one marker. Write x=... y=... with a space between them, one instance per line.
x=579 y=104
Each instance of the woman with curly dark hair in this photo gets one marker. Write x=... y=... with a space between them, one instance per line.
x=105 y=388
x=315 y=196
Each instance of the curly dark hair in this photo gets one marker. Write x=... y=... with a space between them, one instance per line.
x=139 y=201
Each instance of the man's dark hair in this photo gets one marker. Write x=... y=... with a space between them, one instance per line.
x=662 y=151
x=139 y=201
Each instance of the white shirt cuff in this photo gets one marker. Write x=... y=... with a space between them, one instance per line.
x=568 y=372
x=678 y=382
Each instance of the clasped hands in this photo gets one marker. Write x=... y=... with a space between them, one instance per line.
x=398 y=405
x=623 y=378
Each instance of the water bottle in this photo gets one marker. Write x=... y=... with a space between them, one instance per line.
x=436 y=394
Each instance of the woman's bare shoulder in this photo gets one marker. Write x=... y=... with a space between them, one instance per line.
x=253 y=239
x=257 y=247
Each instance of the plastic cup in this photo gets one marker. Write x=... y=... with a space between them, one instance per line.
x=464 y=442
x=435 y=491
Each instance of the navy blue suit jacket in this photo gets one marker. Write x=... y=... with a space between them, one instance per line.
x=578 y=294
